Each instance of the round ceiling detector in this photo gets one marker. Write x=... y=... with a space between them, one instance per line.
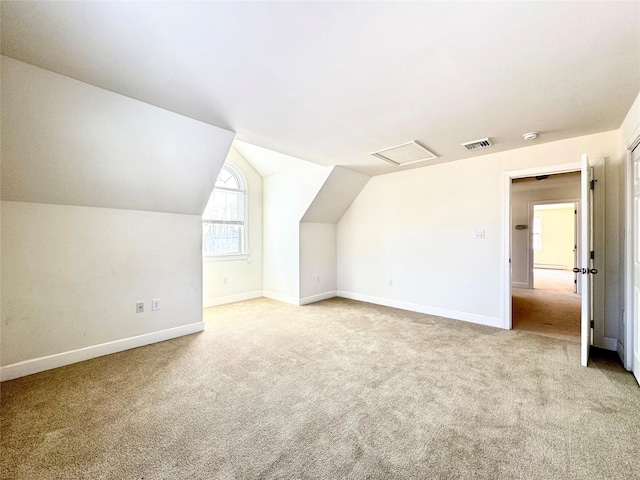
x=530 y=136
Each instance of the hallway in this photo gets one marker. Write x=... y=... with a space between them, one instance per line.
x=551 y=308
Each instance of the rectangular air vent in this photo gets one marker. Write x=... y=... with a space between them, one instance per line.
x=476 y=144
x=405 y=154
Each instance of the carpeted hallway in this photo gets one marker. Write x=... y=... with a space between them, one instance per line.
x=551 y=308
x=334 y=390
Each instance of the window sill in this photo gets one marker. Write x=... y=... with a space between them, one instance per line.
x=223 y=258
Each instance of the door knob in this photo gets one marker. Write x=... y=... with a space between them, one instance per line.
x=576 y=270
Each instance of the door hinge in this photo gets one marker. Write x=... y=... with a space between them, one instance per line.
x=593 y=184
x=592 y=255
x=592 y=324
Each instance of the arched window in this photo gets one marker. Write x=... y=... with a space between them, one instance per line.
x=223 y=221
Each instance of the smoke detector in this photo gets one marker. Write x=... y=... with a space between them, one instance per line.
x=405 y=154
x=476 y=144
x=530 y=136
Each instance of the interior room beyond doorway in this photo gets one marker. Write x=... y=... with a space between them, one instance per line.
x=545 y=300
x=551 y=309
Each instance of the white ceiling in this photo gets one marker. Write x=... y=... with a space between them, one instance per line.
x=330 y=82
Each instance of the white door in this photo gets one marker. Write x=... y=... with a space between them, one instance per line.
x=636 y=262
x=585 y=266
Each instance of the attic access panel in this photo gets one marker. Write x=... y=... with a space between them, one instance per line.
x=405 y=154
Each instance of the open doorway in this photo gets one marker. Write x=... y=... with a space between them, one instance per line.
x=545 y=297
x=554 y=241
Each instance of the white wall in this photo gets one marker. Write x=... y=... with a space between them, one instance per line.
x=630 y=128
x=301 y=208
x=317 y=261
x=556 y=187
x=244 y=276
x=102 y=197
x=318 y=267
x=286 y=198
x=71 y=277
x=416 y=228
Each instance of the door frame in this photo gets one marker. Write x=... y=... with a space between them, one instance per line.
x=626 y=349
x=576 y=232
x=507 y=320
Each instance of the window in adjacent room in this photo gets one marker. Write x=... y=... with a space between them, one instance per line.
x=224 y=218
x=536 y=232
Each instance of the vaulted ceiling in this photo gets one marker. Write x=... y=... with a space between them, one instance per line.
x=331 y=82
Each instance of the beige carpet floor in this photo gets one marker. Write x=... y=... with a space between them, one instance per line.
x=334 y=390
x=551 y=308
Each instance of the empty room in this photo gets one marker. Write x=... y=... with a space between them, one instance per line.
x=319 y=240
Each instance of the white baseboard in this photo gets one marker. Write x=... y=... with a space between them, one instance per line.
x=212 y=302
x=317 y=298
x=29 y=367
x=610 y=344
x=280 y=297
x=520 y=285
x=416 y=307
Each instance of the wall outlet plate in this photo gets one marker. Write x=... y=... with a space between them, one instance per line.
x=139 y=307
x=155 y=304
x=478 y=234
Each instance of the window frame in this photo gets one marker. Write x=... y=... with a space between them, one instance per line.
x=244 y=231
x=536 y=231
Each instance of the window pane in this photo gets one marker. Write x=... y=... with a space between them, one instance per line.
x=224 y=216
x=227 y=179
x=537 y=233
x=222 y=239
x=225 y=205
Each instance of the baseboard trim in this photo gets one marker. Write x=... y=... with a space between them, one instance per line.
x=610 y=344
x=416 y=307
x=212 y=302
x=317 y=298
x=36 y=365
x=280 y=297
x=520 y=285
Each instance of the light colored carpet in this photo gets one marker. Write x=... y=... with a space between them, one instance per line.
x=334 y=390
x=551 y=308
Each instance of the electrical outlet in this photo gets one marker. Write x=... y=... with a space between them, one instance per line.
x=318 y=278
x=155 y=304
x=139 y=307
x=225 y=280
x=478 y=234
x=390 y=282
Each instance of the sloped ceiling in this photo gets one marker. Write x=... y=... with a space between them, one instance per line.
x=267 y=162
x=337 y=193
x=330 y=82
x=65 y=142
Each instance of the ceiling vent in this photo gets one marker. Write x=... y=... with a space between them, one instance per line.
x=405 y=154
x=476 y=144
